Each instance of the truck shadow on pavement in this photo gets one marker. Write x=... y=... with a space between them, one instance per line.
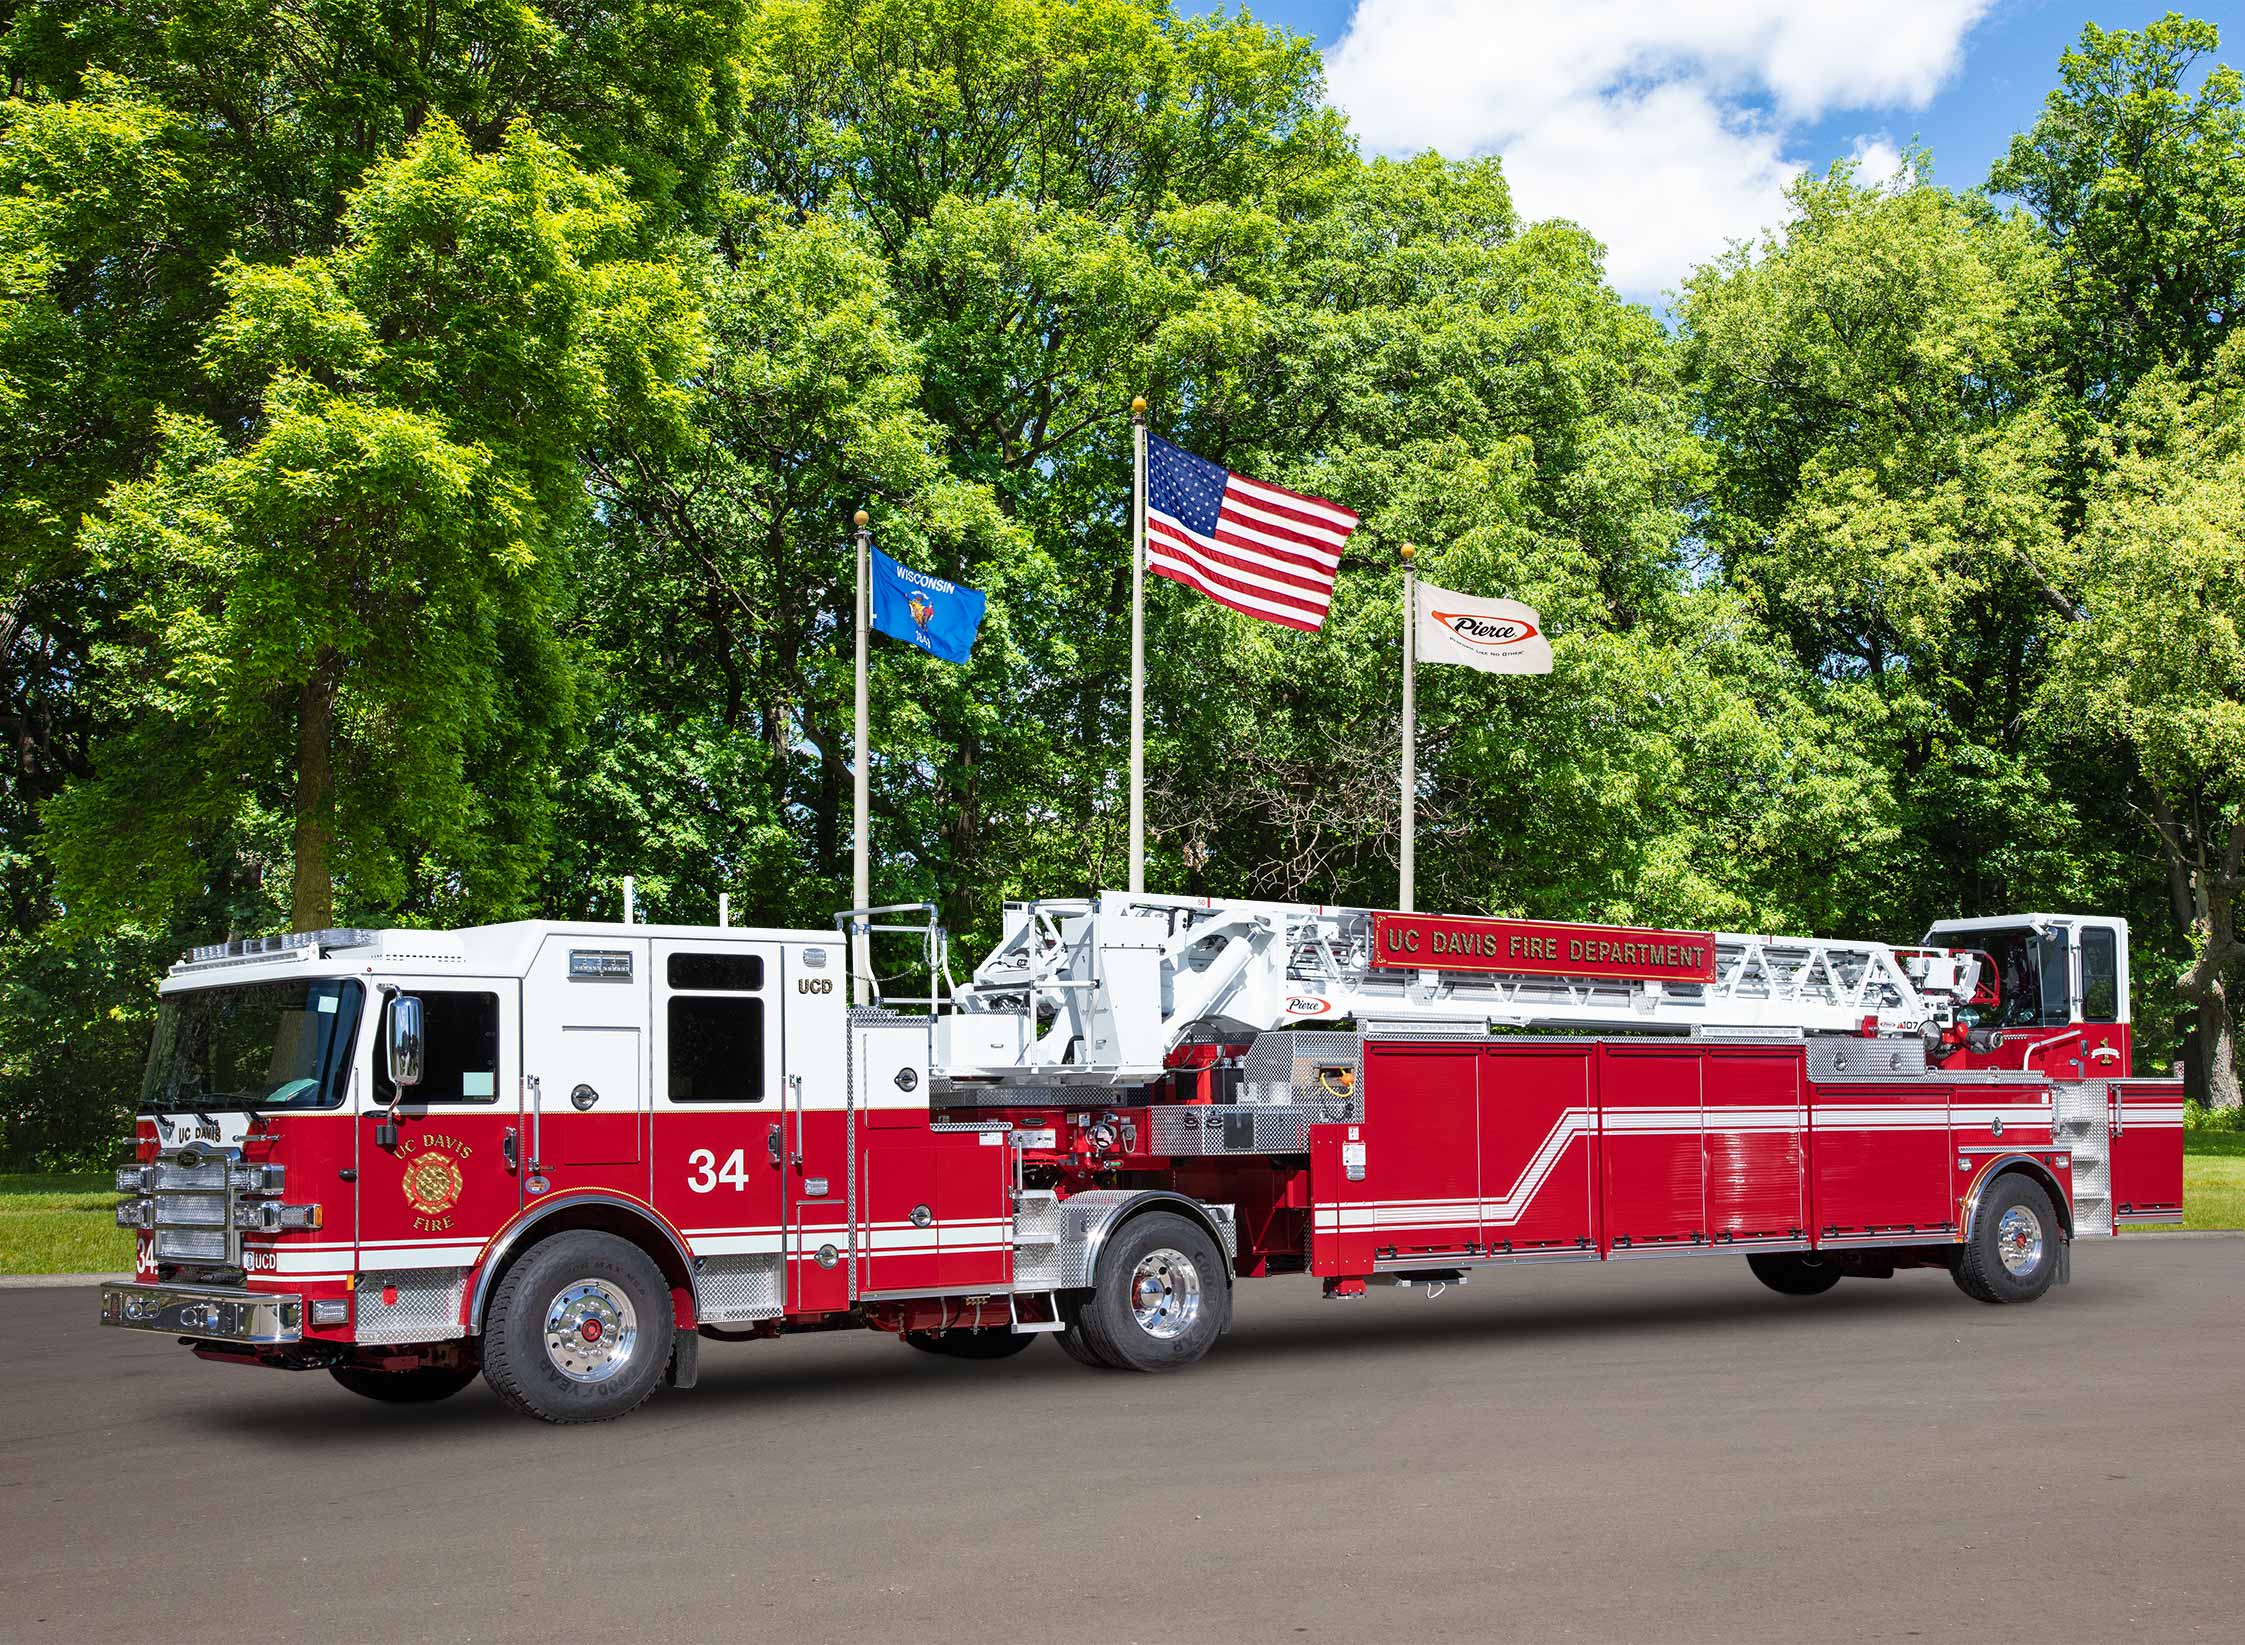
x=841 y=1372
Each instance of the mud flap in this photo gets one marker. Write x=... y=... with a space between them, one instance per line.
x=685 y=1361
x=2065 y=1273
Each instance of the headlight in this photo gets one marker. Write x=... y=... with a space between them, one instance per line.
x=136 y=1213
x=272 y=1219
x=256 y=1179
x=132 y=1179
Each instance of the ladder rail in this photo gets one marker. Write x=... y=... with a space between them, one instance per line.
x=1104 y=988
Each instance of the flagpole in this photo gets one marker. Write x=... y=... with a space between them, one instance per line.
x=1138 y=644
x=861 y=865
x=1408 y=890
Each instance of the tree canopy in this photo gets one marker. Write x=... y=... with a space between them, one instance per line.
x=430 y=436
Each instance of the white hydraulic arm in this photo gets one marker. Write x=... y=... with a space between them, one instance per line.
x=1099 y=990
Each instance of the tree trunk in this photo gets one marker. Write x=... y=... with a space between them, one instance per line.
x=313 y=889
x=2214 y=884
x=2222 y=1086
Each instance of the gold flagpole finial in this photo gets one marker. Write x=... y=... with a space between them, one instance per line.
x=1408 y=552
x=1138 y=405
x=861 y=519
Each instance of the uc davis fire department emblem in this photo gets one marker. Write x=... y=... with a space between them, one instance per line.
x=432 y=1183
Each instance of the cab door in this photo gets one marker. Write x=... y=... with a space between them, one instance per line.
x=431 y=1195
x=721 y=1151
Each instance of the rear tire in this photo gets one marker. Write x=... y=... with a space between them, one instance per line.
x=580 y=1330
x=423 y=1385
x=2012 y=1255
x=987 y=1342
x=1793 y=1273
x=1161 y=1298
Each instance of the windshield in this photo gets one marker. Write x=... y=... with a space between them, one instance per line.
x=266 y=1045
x=2029 y=976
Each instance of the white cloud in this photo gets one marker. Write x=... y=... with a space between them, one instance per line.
x=1661 y=125
x=1877 y=160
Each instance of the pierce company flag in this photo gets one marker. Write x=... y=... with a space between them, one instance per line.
x=1498 y=636
x=1260 y=549
x=940 y=618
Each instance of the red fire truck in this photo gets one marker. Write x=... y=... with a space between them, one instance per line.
x=563 y=1155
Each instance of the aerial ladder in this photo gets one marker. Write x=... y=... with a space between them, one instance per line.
x=1100 y=991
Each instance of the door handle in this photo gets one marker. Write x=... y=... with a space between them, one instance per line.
x=772 y=1144
x=510 y=1147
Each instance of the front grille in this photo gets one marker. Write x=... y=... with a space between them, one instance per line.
x=191 y=1208
x=191 y=1245
x=192 y=1211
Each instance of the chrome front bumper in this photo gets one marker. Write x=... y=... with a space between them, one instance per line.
x=216 y=1313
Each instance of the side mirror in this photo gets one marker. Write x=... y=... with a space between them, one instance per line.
x=403 y=1052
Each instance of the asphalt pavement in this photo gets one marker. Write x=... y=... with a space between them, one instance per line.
x=1639 y=1451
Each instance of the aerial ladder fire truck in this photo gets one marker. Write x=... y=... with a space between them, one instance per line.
x=563 y=1155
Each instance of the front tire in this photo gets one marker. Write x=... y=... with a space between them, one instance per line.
x=423 y=1385
x=1791 y=1274
x=990 y=1342
x=580 y=1330
x=1161 y=1298
x=2012 y=1255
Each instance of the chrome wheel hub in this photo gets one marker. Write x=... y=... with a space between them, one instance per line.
x=592 y=1331
x=1165 y=1294
x=2019 y=1241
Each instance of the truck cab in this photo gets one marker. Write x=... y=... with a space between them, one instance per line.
x=2051 y=995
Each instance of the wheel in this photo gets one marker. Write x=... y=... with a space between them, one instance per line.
x=989 y=1342
x=2012 y=1255
x=423 y=1385
x=1161 y=1296
x=1792 y=1274
x=580 y=1330
x=1073 y=1342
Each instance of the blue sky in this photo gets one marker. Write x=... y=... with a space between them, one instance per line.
x=1670 y=126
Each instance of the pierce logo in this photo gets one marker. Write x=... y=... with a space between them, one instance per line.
x=1306 y=1005
x=1486 y=631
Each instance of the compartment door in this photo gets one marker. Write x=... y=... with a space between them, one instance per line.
x=2147 y=1151
x=1538 y=1121
x=1754 y=1117
x=1650 y=1151
x=1880 y=1160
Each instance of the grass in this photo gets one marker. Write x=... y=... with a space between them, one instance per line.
x=2213 y=1179
x=66 y=1224
x=62 y=1225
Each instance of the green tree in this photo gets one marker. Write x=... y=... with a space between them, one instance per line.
x=2139 y=184
x=719 y=595
x=348 y=615
x=1891 y=433
x=2156 y=666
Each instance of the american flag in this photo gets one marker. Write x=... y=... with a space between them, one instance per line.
x=1260 y=549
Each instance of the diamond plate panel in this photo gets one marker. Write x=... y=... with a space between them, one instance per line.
x=2081 y=1122
x=1839 y=1056
x=1282 y=1070
x=1232 y=1129
x=1088 y=1214
x=426 y=1309
x=740 y=1288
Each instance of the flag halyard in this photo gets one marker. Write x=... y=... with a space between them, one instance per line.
x=1258 y=548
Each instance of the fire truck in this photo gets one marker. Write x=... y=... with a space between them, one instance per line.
x=563 y=1155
